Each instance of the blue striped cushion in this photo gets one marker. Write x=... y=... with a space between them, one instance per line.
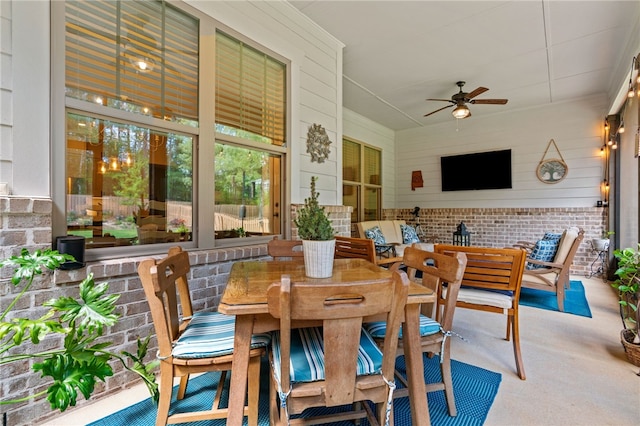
x=307 y=355
x=378 y=329
x=211 y=334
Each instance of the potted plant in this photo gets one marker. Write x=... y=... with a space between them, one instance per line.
x=628 y=286
x=84 y=358
x=318 y=238
x=602 y=243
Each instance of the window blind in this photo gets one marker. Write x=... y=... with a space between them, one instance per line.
x=137 y=56
x=250 y=89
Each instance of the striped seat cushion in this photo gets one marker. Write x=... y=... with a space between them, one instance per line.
x=378 y=329
x=211 y=334
x=307 y=355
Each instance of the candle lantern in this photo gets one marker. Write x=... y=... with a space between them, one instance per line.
x=461 y=237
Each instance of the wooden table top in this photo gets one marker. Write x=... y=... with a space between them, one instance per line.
x=246 y=291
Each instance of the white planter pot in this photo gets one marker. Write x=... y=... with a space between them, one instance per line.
x=600 y=244
x=318 y=258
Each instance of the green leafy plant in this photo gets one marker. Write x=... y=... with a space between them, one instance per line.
x=606 y=234
x=628 y=286
x=76 y=367
x=312 y=221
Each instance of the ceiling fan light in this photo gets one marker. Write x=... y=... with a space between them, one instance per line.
x=461 y=111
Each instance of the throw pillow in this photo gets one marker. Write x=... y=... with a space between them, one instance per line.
x=544 y=250
x=552 y=236
x=376 y=235
x=409 y=235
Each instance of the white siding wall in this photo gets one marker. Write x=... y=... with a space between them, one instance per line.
x=575 y=126
x=364 y=130
x=6 y=95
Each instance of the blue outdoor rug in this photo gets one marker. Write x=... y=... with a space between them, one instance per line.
x=474 y=388
x=575 y=301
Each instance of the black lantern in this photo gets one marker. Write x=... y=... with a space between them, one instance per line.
x=462 y=237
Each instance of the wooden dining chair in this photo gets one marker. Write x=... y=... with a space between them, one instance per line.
x=355 y=248
x=491 y=283
x=437 y=270
x=284 y=249
x=192 y=342
x=338 y=363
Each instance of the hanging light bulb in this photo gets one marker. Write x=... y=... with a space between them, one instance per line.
x=114 y=164
x=606 y=124
x=610 y=142
x=615 y=145
x=631 y=92
x=128 y=161
x=602 y=150
x=102 y=167
x=621 y=128
x=461 y=111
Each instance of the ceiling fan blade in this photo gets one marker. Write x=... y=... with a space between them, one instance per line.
x=489 y=101
x=438 y=110
x=443 y=100
x=476 y=92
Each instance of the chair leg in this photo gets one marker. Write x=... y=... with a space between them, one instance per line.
x=516 y=347
x=560 y=296
x=253 y=389
x=166 y=387
x=274 y=409
x=445 y=370
x=182 y=388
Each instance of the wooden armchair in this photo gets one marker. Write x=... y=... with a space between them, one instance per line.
x=192 y=343
x=491 y=283
x=285 y=249
x=340 y=364
x=436 y=269
x=553 y=276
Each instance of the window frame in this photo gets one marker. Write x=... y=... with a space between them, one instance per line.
x=362 y=186
x=204 y=137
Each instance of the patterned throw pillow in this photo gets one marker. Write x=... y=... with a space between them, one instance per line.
x=409 y=235
x=552 y=236
x=376 y=235
x=544 y=250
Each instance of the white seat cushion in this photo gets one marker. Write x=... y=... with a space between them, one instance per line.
x=485 y=297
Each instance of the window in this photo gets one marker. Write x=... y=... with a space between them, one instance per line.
x=250 y=134
x=134 y=163
x=362 y=180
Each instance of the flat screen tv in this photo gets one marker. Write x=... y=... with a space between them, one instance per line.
x=480 y=170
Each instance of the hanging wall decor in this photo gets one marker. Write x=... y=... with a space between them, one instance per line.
x=416 y=180
x=552 y=170
x=318 y=143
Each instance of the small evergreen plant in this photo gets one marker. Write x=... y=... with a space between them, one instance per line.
x=312 y=221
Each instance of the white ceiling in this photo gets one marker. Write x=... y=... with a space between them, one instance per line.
x=399 y=53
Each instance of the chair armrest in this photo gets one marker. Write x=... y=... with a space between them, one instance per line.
x=528 y=246
x=543 y=263
x=389 y=261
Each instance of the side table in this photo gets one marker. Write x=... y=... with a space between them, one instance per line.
x=600 y=260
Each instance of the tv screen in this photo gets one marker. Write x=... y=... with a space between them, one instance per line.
x=481 y=170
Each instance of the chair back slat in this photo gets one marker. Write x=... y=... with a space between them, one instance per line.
x=444 y=268
x=162 y=281
x=284 y=249
x=490 y=268
x=358 y=248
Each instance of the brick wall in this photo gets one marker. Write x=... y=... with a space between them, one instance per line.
x=502 y=227
x=340 y=217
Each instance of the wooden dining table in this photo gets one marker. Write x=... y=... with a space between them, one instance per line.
x=246 y=297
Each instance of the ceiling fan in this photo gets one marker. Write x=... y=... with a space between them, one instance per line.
x=460 y=100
